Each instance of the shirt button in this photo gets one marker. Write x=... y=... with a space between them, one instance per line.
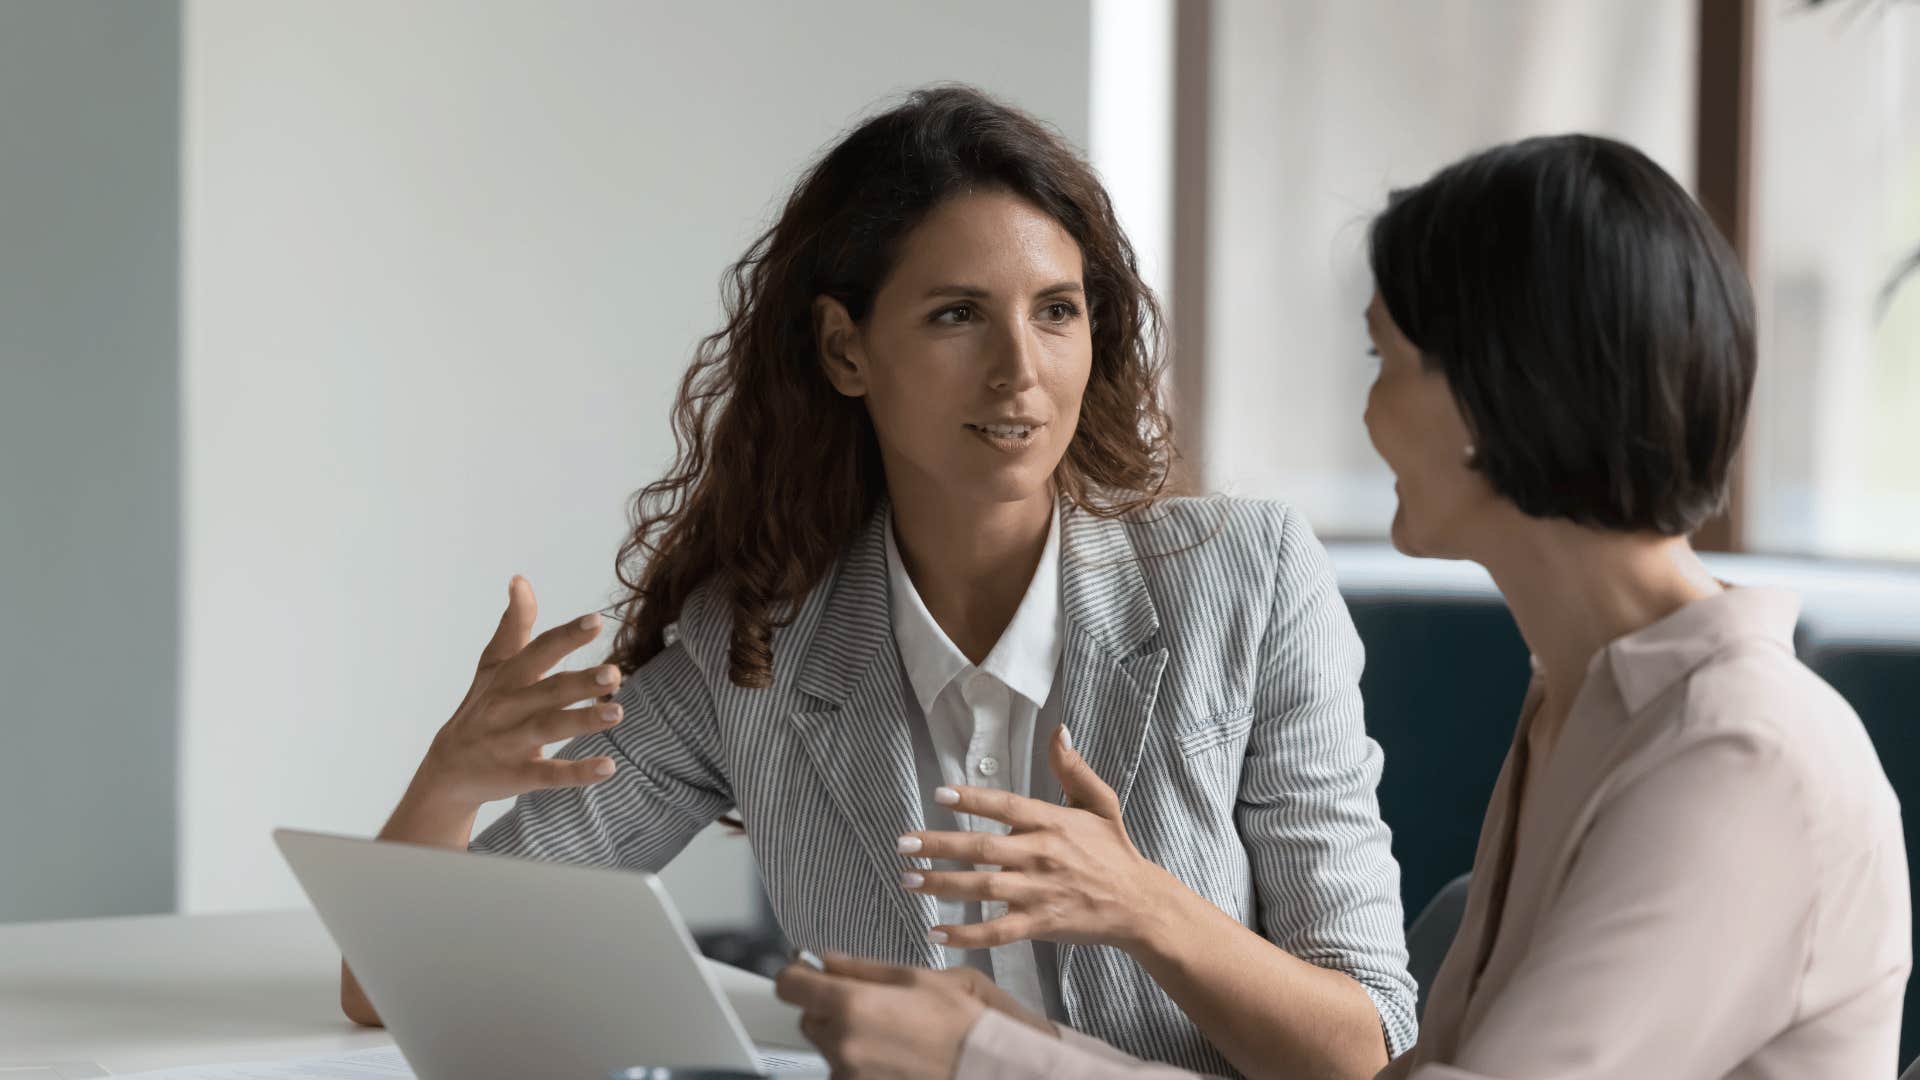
x=988 y=765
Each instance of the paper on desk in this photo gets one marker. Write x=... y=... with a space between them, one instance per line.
x=768 y=1020
x=382 y=1063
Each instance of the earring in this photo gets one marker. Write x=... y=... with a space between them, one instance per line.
x=1471 y=453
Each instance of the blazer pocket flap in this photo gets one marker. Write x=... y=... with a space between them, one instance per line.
x=1205 y=732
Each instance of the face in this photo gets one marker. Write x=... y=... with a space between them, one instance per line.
x=974 y=357
x=1416 y=426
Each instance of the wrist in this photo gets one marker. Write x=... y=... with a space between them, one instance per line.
x=431 y=812
x=1164 y=908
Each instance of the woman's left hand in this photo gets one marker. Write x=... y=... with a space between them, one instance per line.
x=871 y=1019
x=1067 y=873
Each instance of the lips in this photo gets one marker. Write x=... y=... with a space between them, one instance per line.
x=1010 y=436
x=1007 y=430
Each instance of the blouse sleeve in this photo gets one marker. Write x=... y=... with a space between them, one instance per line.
x=998 y=1047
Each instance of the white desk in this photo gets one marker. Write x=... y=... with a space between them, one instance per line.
x=165 y=990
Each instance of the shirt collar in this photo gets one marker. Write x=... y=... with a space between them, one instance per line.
x=1027 y=654
x=1647 y=662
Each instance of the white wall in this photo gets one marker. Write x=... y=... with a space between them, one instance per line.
x=89 y=457
x=1319 y=109
x=443 y=265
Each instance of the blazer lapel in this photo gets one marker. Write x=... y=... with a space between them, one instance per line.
x=857 y=735
x=1112 y=664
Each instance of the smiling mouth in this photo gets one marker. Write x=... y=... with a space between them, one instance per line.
x=1006 y=436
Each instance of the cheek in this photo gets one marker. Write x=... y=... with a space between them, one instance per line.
x=1389 y=426
x=1067 y=378
x=905 y=386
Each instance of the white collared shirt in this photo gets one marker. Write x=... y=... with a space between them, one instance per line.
x=983 y=721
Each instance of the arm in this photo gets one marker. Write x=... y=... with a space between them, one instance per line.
x=1334 y=997
x=869 y=1018
x=641 y=775
x=999 y=1047
x=1679 y=939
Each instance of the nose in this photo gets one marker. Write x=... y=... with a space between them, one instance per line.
x=1015 y=360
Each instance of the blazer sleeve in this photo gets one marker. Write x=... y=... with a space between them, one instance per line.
x=999 y=1047
x=1328 y=888
x=1677 y=945
x=668 y=781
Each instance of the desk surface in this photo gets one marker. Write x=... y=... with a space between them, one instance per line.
x=166 y=990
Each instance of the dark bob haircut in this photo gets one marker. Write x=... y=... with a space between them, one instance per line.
x=1593 y=325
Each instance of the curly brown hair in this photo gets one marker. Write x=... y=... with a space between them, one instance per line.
x=777 y=471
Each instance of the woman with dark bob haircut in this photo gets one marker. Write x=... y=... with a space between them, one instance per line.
x=1692 y=866
x=917 y=533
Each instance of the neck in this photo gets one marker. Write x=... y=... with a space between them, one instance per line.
x=1573 y=589
x=971 y=563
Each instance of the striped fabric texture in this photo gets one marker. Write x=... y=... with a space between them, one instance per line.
x=1211 y=676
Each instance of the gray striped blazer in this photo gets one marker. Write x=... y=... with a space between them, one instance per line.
x=1211 y=676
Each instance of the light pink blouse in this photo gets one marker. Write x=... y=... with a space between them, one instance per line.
x=1709 y=882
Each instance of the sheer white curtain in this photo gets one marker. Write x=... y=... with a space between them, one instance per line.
x=1835 y=454
x=1318 y=110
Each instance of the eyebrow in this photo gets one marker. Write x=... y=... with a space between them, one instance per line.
x=975 y=292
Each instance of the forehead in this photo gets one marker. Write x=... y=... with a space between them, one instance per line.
x=988 y=238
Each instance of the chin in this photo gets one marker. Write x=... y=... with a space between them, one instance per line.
x=1407 y=540
x=1006 y=486
x=1401 y=536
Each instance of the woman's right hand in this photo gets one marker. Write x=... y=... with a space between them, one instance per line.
x=491 y=747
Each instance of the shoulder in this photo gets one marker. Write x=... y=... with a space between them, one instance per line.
x=1229 y=551
x=1755 y=701
x=1228 y=535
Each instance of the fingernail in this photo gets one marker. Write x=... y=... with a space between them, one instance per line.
x=911 y=880
x=936 y=937
x=945 y=796
x=589 y=622
x=609 y=714
x=607 y=676
x=907 y=845
x=1066 y=738
x=806 y=957
x=603 y=768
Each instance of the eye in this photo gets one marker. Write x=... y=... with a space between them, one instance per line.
x=957 y=315
x=1060 y=311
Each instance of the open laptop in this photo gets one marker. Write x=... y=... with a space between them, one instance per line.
x=486 y=966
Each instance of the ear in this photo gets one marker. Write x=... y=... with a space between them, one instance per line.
x=843 y=356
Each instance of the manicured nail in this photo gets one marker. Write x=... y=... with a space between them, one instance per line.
x=609 y=714
x=936 y=937
x=803 y=956
x=911 y=880
x=607 y=676
x=589 y=621
x=945 y=796
x=907 y=845
x=603 y=768
x=1066 y=738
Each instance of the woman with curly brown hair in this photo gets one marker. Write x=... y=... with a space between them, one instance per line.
x=918 y=531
